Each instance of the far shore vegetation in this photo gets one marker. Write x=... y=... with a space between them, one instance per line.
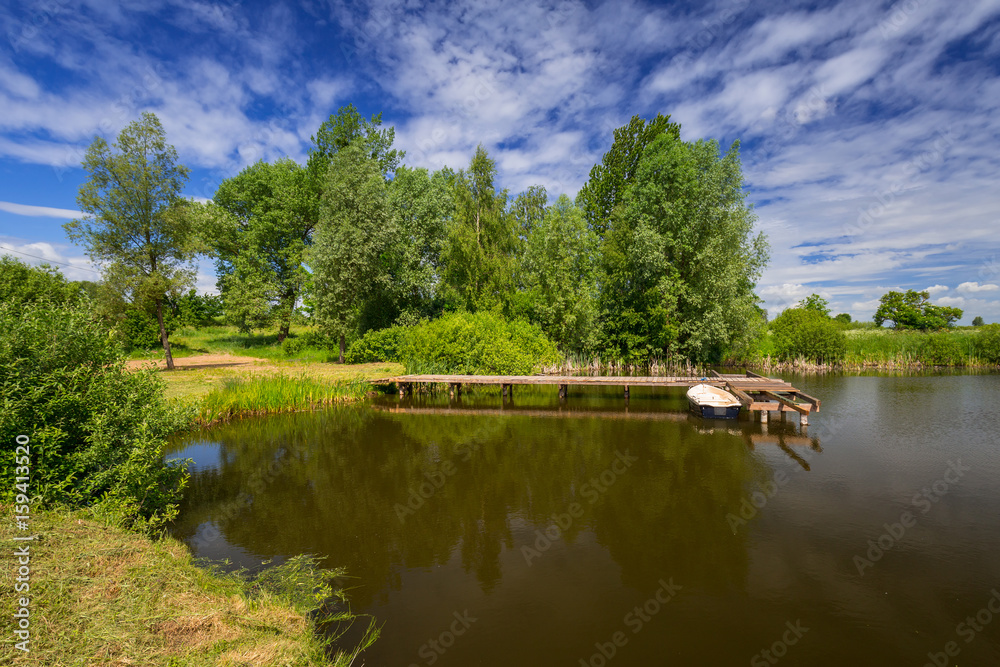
x=334 y=273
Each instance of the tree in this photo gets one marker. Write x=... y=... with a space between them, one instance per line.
x=977 y=321
x=347 y=127
x=480 y=252
x=844 y=318
x=138 y=228
x=913 y=310
x=260 y=241
x=422 y=205
x=354 y=231
x=560 y=277
x=605 y=189
x=817 y=303
x=680 y=259
x=21 y=284
x=529 y=208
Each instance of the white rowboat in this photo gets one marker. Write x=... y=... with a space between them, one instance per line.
x=713 y=403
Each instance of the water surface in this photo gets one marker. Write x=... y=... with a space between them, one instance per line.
x=597 y=532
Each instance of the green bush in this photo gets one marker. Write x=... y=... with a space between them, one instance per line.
x=295 y=344
x=476 y=343
x=987 y=343
x=96 y=430
x=21 y=284
x=942 y=349
x=808 y=334
x=376 y=345
x=141 y=331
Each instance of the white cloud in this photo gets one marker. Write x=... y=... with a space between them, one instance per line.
x=976 y=287
x=936 y=289
x=39 y=211
x=74 y=267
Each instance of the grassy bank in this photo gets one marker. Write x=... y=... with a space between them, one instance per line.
x=269 y=394
x=870 y=348
x=103 y=596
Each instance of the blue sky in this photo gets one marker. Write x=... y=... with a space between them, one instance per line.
x=869 y=130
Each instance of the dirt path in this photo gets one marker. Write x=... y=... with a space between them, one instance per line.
x=200 y=361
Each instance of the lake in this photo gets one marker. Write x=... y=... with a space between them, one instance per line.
x=599 y=533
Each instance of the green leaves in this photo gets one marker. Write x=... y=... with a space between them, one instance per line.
x=913 y=310
x=808 y=334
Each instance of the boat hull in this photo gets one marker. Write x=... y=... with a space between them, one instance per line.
x=715 y=412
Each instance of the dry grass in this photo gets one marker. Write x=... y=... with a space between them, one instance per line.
x=101 y=596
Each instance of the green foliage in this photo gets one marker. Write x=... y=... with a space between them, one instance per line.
x=808 y=334
x=482 y=246
x=988 y=343
x=138 y=228
x=421 y=205
x=355 y=229
x=376 y=345
x=22 y=284
x=913 y=310
x=97 y=430
x=943 y=349
x=275 y=394
x=605 y=189
x=350 y=127
x=977 y=321
x=559 y=274
x=293 y=345
x=817 y=303
x=843 y=318
x=476 y=343
x=196 y=310
x=140 y=331
x=263 y=223
x=679 y=261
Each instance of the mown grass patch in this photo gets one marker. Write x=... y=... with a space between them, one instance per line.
x=101 y=595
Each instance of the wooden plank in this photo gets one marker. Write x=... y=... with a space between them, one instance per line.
x=808 y=399
x=715 y=374
x=742 y=396
x=751 y=374
x=789 y=402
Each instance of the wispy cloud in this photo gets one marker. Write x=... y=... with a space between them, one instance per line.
x=39 y=211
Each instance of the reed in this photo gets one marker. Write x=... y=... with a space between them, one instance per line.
x=268 y=394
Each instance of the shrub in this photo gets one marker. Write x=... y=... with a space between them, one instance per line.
x=141 y=331
x=977 y=321
x=988 y=343
x=376 y=345
x=310 y=339
x=476 y=343
x=808 y=334
x=21 y=284
x=96 y=430
x=942 y=349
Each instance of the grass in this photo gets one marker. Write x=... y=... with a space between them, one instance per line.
x=103 y=596
x=869 y=347
x=266 y=394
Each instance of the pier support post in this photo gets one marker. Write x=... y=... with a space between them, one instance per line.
x=784 y=416
x=563 y=390
x=626 y=392
x=763 y=416
x=803 y=420
x=507 y=390
x=456 y=389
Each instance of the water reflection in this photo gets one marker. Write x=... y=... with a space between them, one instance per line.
x=532 y=518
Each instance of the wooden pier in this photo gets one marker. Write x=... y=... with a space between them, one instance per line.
x=759 y=395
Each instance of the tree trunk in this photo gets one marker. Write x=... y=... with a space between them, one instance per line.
x=343 y=348
x=283 y=331
x=163 y=334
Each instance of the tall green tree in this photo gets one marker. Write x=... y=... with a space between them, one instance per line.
x=605 y=189
x=560 y=275
x=681 y=259
x=422 y=205
x=817 y=303
x=480 y=253
x=913 y=310
x=529 y=209
x=138 y=228
x=347 y=127
x=355 y=229
x=260 y=241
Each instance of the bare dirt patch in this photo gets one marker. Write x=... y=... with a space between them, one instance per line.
x=200 y=361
